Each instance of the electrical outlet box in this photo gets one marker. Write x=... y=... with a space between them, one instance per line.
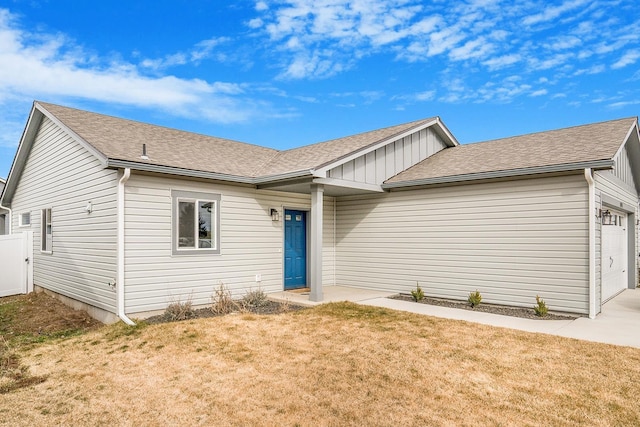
x=258 y=277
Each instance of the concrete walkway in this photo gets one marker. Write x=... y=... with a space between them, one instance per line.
x=618 y=323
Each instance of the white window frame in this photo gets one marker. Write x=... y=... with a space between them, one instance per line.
x=46 y=231
x=196 y=198
x=21 y=216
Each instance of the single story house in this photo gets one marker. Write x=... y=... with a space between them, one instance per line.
x=129 y=216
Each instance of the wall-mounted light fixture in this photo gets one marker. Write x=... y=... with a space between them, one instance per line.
x=275 y=215
x=89 y=207
x=606 y=217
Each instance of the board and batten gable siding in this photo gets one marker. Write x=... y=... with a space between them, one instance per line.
x=510 y=240
x=250 y=243
x=377 y=166
x=62 y=175
x=607 y=183
x=622 y=169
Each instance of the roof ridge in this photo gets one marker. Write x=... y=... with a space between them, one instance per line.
x=138 y=122
x=361 y=133
x=550 y=131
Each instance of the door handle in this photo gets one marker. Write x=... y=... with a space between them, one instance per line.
x=611 y=262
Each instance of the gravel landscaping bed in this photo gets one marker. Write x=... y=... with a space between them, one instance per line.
x=266 y=307
x=526 y=313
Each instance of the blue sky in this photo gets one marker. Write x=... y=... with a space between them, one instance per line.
x=288 y=73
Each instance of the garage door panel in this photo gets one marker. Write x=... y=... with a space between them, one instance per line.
x=614 y=255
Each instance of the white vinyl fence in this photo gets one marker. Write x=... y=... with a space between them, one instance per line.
x=16 y=264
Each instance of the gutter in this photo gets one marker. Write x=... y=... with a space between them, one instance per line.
x=597 y=164
x=120 y=279
x=592 y=243
x=147 y=167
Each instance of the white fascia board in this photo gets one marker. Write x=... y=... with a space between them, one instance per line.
x=445 y=131
x=626 y=138
x=285 y=176
x=20 y=159
x=90 y=148
x=322 y=171
x=348 y=184
x=170 y=170
x=598 y=164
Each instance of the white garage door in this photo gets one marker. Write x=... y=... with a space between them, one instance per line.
x=614 y=255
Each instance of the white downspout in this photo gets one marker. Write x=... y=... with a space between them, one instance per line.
x=10 y=218
x=120 y=280
x=592 y=243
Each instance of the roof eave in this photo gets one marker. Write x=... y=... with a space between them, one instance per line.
x=171 y=170
x=285 y=176
x=597 y=164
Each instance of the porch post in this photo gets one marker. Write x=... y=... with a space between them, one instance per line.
x=315 y=250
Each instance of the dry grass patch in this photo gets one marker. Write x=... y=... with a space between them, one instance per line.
x=336 y=364
x=26 y=321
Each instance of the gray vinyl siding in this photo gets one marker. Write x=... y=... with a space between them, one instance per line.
x=60 y=174
x=509 y=240
x=379 y=165
x=609 y=184
x=250 y=243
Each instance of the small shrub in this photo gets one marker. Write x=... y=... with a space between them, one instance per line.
x=540 y=308
x=285 y=306
x=475 y=298
x=221 y=302
x=179 y=311
x=254 y=298
x=417 y=294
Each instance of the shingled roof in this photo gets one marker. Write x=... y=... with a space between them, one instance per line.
x=570 y=146
x=121 y=139
x=318 y=155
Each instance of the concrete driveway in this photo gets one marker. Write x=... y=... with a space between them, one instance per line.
x=618 y=323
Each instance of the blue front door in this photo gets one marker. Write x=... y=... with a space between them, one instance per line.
x=295 y=249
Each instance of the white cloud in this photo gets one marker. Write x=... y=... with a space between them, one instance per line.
x=502 y=61
x=539 y=92
x=201 y=51
x=595 y=69
x=50 y=67
x=471 y=49
x=627 y=59
x=622 y=104
x=563 y=43
x=552 y=12
x=255 y=23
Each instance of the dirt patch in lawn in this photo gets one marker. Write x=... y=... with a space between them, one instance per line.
x=37 y=315
x=527 y=313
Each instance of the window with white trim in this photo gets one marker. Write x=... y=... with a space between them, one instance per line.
x=196 y=223
x=46 y=233
x=24 y=219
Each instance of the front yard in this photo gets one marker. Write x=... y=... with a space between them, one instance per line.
x=336 y=364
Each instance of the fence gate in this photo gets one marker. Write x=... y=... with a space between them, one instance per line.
x=16 y=264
